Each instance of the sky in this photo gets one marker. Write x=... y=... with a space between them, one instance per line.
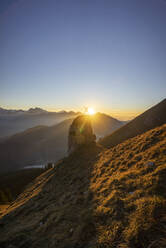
x=68 y=54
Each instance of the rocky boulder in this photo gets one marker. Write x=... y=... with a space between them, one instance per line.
x=80 y=132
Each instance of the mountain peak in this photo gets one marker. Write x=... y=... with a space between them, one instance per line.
x=36 y=110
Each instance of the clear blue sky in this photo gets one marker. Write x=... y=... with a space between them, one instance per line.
x=66 y=54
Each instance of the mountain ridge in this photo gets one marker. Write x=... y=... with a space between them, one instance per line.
x=151 y=118
x=34 y=110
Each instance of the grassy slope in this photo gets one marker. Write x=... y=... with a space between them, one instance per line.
x=151 y=118
x=13 y=183
x=96 y=198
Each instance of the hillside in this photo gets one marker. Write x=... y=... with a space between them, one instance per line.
x=151 y=118
x=95 y=198
x=37 y=145
x=43 y=144
x=12 y=184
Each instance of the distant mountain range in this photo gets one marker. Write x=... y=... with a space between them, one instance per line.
x=35 y=110
x=20 y=111
x=14 y=121
x=42 y=144
x=151 y=118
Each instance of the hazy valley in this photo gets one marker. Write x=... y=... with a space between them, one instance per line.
x=15 y=121
x=43 y=144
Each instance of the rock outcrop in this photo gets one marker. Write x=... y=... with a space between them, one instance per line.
x=80 y=133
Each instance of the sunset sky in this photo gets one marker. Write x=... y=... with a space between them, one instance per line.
x=67 y=54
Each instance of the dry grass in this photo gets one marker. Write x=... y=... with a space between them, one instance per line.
x=96 y=198
x=13 y=183
x=3 y=208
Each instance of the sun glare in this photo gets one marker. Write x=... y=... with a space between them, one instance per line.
x=91 y=111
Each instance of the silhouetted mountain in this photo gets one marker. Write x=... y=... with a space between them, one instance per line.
x=104 y=124
x=151 y=118
x=43 y=144
x=37 y=145
x=96 y=197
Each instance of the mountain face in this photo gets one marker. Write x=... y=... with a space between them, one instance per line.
x=96 y=197
x=37 y=145
x=104 y=124
x=151 y=118
x=43 y=144
x=14 y=121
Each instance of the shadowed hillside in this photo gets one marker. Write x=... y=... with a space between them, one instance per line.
x=42 y=144
x=95 y=198
x=37 y=145
x=152 y=118
x=12 y=184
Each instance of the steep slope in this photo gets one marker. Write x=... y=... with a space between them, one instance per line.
x=43 y=144
x=95 y=198
x=13 y=183
x=151 y=118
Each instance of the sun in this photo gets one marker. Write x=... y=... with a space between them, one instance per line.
x=91 y=111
